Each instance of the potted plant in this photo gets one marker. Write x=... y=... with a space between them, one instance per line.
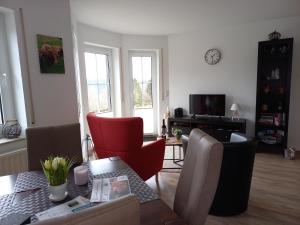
x=56 y=170
x=177 y=133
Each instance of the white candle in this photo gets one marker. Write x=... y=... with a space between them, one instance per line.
x=81 y=175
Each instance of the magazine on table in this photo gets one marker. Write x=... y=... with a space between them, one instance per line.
x=73 y=206
x=107 y=189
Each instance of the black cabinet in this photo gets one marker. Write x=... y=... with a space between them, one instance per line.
x=220 y=128
x=273 y=93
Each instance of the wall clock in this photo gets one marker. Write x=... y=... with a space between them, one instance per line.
x=212 y=56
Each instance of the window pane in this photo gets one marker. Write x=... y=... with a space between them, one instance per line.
x=93 y=98
x=98 y=81
x=103 y=97
x=147 y=95
x=137 y=94
x=137 y=68
x=146 y=65
x=90 y=68
x=102 y=68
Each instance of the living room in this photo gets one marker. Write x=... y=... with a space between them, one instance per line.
x=177 y=36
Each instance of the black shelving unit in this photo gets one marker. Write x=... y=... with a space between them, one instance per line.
x=273 y=94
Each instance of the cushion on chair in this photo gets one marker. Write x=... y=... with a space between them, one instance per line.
x=125 y=211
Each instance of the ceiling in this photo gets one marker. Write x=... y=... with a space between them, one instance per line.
x=163 y=17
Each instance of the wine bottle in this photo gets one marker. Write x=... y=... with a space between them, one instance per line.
x=164 y=130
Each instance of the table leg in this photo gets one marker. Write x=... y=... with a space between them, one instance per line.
x=173 y=154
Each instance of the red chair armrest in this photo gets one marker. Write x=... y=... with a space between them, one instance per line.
x=152 y=156
x=154 y=147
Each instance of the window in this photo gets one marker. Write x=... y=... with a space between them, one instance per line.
x=98 y=78
x=143 y=65
x=7 y=108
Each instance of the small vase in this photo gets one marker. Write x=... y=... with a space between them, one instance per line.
x=11 y=129
x=178 y=136
x=58 y=193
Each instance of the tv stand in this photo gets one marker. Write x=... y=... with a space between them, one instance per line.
x=218 y=127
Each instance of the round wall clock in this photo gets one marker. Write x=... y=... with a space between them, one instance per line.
x=212 y=56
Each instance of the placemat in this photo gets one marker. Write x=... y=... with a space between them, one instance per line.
x=30 y=180
x=6 y=202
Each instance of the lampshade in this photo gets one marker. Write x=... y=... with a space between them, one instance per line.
x=234 y=107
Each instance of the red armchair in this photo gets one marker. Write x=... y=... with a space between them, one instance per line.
x=123 y=137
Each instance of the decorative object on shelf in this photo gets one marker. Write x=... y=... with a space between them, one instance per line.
x=51 y=54
x=212 y=56
x=164 y=130
x=11 y=129
x=279 y=107
x=274 y=35
x=81 y=175
x=178 y=113
x=264 y=107
x=167 y=114
x=290 y=153
x=235 y=111
x=275 y=74
x=277 y=119
x=283 y=49
x=56 y=170
x=267 y=89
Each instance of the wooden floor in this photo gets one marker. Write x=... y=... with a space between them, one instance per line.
x=274 y=197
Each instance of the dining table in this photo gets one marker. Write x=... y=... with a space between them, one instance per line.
x=16 y=196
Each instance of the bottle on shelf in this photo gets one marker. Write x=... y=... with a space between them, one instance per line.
x=164 y=130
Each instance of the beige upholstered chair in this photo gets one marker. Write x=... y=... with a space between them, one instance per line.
x=61 y=140
x=125 y=211
x=199 y=178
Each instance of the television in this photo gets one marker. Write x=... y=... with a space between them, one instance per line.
x=207 y=104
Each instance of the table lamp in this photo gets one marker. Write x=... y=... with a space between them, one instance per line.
x=235 y=111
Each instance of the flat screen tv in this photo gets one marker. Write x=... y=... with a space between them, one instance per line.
x=212 y=105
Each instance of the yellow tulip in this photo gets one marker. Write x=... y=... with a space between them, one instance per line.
x=47 y=165
x=55 y=163
x=62 y=162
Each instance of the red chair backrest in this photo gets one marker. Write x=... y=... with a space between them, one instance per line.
x=116 y=134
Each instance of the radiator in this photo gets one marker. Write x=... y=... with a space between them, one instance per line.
x=13 y=162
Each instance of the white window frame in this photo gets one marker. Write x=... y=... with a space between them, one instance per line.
x=155 y=85
x=108 y=53
x=6 y=92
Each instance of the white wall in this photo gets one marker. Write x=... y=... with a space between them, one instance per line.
x=235 y=75
x=54 y=96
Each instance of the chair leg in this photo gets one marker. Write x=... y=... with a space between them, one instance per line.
x=156 y=177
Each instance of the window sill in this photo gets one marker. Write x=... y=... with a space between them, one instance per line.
x=7 y=145
x=9 y=140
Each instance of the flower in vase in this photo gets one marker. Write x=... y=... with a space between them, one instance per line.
x=56 y=169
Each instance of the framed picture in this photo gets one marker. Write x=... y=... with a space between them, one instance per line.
x=51 y=55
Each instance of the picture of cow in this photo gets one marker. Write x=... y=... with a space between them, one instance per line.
x=51 y=54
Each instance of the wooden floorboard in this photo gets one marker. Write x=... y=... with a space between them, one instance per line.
x=274 y=197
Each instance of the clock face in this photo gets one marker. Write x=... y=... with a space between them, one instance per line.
x=212 y=56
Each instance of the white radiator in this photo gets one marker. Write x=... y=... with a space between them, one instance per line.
x=13 y=162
